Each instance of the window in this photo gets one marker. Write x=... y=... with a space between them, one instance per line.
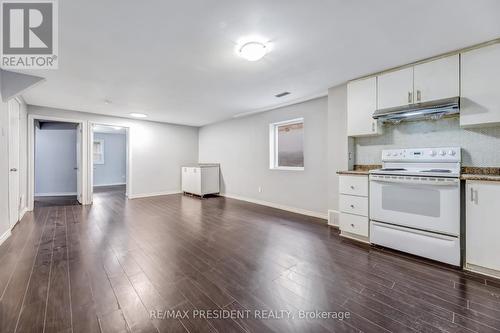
x=287 y=145
x=98 y=151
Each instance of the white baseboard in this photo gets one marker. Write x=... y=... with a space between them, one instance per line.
x=55 y=194
x=114 y=184
x=155 y=194
x=4 y=237
x=278 y=206
x=23 y=211
x=482 y=270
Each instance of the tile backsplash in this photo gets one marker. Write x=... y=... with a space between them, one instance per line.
x=480 y=146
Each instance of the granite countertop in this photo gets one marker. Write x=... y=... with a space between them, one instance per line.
x=352 y=172
x=491 y=178
x=359 y=169
x=480 y=173
x=468 y=173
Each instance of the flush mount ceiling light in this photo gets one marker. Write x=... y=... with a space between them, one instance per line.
x=252 y=49
x=138 y=115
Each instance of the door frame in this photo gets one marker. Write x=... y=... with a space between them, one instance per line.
x=31 y=156
x=18 y=172
x=90 y=166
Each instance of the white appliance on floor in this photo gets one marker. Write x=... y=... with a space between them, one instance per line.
x=415 y=202
x=200 y=179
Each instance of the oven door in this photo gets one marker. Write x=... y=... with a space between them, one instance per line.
x=425 y=203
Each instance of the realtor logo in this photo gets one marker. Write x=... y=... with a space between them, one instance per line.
x=29 y=34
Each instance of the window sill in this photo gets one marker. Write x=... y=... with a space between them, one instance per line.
x=288 y=168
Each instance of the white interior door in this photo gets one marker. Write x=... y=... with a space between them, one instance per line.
x=79 y=163
x=91 y=156
x=14 y=114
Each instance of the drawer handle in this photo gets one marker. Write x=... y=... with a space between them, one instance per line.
x=352 y=206
x=352 y=225
x=352 y=187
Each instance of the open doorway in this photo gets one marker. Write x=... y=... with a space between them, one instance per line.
x=109 y=160
x=56 y=163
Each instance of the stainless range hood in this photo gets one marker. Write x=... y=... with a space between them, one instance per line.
x=427 y=110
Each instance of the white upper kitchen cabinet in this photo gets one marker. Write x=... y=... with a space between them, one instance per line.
x=483 y=227
x=480 y=82
x=395 y=88
x=361 y=103
x=437 y=79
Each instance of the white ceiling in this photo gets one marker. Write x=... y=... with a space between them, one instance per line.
x=175 y=60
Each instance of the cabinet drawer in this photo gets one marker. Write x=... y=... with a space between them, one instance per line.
x=354 y=224
x=354 y=205
x=354 y=185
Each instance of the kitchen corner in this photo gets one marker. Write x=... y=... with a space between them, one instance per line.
x=439 y=202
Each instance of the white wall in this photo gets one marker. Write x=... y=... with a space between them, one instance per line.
x=55 y=162
x=479 y=145
x=113 y=171
x=157 y=150
x=241 y=146
x=338 y=144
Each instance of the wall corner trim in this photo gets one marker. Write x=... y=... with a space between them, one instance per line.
x=277 y=206
x=23 y=212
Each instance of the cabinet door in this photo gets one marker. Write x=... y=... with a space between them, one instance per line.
x=480 y=79
x=483 y=224
x=187 y=179
x=196 y=180
x=395 y=88
x=437 y=79
x=191 y=180
x=361 y=103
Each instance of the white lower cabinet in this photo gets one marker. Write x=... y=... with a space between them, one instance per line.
x=201 y=179
x=354 y=224
x=483 y=227
x=353 y=204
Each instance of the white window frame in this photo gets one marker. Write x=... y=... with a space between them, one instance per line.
x=273 y=144
x=101 y=161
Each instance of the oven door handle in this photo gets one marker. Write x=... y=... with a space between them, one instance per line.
x=417 y=180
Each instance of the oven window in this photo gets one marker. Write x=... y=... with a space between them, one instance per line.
x=411 y=199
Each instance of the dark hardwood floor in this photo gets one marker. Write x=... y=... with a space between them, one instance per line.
x=66 y=200
x=115 y=266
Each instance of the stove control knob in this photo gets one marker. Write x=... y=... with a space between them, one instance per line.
x=442 y=152
x=452 y=153
x=432 y=153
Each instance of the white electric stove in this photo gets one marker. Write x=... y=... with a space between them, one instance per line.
x=415 y=202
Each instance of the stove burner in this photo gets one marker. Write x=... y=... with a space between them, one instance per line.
x=437 y=170
x=392 y=169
